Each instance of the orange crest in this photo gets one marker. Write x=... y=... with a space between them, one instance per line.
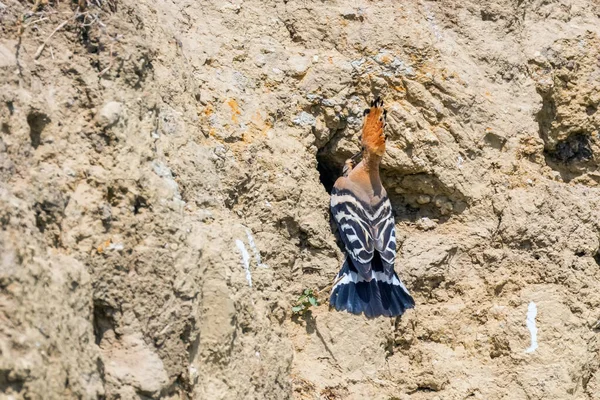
x=373 y=138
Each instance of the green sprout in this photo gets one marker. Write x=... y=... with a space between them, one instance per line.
x=305 y=301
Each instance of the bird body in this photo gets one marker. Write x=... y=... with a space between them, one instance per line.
x=367 y=282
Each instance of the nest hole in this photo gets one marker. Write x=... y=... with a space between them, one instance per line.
x=575 y=148
x=37 y=121
x=103 y=320
x=329 y=170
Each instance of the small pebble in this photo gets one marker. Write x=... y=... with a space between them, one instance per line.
x=423 y=199
x=426 y=224
x=109 y=114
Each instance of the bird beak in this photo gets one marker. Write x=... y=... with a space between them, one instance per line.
x=356 y=156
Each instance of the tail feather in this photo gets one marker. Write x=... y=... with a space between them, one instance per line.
x=387 y=297
x=341 y=298
x=382 y=295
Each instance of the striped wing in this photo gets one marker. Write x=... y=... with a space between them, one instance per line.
x=365 y=229
x=385 y=234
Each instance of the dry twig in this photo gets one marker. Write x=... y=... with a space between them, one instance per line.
x=37 y=20
x=105 y=70
x=40 y=49
x=328 y=287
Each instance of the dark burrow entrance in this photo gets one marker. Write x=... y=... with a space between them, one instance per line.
x=571 y=155
x=329 y=170
x=330 y=165
x=330 y=160
x=403 y=190
x=103 y=319
x=574 y=148
x=37 y=121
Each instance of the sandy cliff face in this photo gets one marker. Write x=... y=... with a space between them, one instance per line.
x=164 y=172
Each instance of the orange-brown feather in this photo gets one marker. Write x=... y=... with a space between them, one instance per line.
x=373 y=138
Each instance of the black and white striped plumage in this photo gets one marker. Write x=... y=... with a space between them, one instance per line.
x=365 y=228
x=362 y=211
x=367 y=281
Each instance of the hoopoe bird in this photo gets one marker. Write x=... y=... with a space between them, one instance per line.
x=367 y=282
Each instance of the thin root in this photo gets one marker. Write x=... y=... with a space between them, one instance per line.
x=105 y=70
x=40 y=49
x=328 y=287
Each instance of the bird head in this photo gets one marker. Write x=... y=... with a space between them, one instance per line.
x=373 y=137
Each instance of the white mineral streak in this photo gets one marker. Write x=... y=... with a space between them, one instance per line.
x=255 y=249
x=116 y=246
x=531 y=314
x=245 y=260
